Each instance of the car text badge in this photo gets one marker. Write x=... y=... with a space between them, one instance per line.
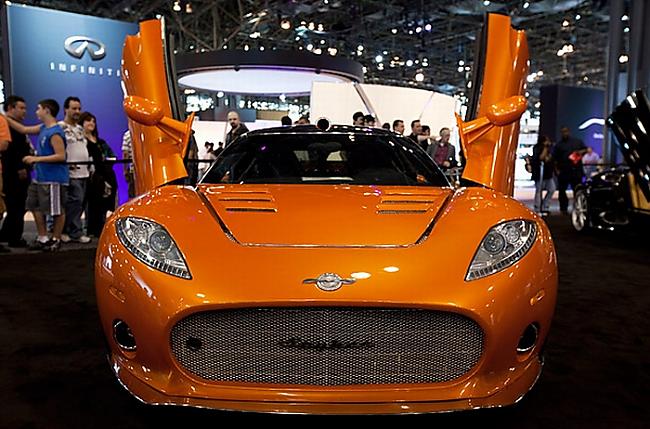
x=77 y=45
x=329 y=282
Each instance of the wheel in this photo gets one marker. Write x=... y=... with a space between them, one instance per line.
x=580 y=212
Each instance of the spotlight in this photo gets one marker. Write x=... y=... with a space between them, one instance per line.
x=419 y=77
x=285 y=24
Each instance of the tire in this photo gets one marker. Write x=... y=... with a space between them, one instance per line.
x=580 y=213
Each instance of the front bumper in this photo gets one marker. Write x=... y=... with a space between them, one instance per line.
x=513 y=392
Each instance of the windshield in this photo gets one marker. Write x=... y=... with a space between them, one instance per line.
x=325 y=158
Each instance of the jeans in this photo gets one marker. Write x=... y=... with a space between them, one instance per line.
x=74 y=207
x=541 y=185
x=15 y=197
x=564 y=179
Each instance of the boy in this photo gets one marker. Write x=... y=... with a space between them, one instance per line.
x=47 y=194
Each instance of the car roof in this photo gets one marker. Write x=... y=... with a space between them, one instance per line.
x=312 y=129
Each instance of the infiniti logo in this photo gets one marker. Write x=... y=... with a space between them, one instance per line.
x=300 y=343
x=78 y=45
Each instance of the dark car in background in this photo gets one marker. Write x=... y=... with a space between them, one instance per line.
x=619 y=197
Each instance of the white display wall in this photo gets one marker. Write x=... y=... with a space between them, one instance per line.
x=339 y=101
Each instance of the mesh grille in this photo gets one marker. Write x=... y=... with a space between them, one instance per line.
x=327 y=346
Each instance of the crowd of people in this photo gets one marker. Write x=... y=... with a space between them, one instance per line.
x=61 y=177
x=559 y=166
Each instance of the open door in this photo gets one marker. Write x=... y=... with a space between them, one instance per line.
x=489 y=136
x=159 y=139
x=630 y=123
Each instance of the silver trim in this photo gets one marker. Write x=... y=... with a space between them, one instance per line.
x=120 y=345
x=527 y=349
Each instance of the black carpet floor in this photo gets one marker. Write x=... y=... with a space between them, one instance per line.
x=53 y=373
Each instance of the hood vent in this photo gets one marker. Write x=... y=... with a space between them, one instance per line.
x=254 y=201
x=401 y=203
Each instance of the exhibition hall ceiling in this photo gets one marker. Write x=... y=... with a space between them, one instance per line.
x=424 y=44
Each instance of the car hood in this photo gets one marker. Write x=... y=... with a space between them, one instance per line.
x=324 y=215
x=630 y=123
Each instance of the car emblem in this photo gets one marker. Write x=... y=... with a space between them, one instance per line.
x=78 y=45
x=329 y=282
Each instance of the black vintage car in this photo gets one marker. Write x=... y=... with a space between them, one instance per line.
x=619 y=196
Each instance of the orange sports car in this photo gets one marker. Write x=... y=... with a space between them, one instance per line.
x=327 y=270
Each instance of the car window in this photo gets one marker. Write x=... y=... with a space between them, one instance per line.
x=325 y=158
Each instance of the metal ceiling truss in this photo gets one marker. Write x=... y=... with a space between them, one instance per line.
x=442 y=32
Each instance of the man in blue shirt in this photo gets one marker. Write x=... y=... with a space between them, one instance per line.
x=47 y=194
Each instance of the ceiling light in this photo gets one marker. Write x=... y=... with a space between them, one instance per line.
x=261 y=48
x=538 y=105
x=469 y=84
x=565 y=23
x=332 y=51
x=409 y=63
x=311 y=26
x=322 y=42
x=526 y=4
x=460 y=69
x=623 y=59
x=310 y=47
x=418 y=30
x=461 y=63
x=394 y=31
x=578 y=16
x=177 y=6
x=625 y=18
x=360 y=48
x=419 y=77
x=486 y=3
x=379 y=58
x=246 y=47
x=427 y=27
x=188 y=7
x=586 y=78
x=320 y=27
x=318 y=51
x=220 y=94
x=626 y=30
x=285 y=24
x=255 y=35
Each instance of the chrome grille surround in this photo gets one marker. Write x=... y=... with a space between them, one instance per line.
x=327 y=346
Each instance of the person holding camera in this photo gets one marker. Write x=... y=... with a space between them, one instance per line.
x=542 y=171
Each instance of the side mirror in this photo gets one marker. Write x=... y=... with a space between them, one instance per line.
x=149 y=113
x=507 y=111
x=500 y=114
x=143 y=111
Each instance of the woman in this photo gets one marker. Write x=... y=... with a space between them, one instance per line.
x=542 y=172
x=103 y=184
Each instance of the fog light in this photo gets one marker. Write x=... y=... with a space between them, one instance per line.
x=123 y=335
x=528 y=338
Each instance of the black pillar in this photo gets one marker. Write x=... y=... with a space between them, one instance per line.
x=616 y=10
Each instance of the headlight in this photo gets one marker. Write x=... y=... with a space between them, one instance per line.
x=152 y=244
x=503 y=245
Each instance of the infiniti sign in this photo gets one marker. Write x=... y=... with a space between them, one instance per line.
x=78 y=45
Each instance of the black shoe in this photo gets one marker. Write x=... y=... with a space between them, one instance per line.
x=18 y=244
x=37 y=245
x=52 y=245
